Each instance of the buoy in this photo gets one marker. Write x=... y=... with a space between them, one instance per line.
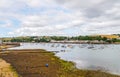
x=46 y=65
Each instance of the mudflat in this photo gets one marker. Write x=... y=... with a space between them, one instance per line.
x=32 y=63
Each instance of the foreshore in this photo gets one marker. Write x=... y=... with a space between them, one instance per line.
x=83 y=42
x=8 y=45
x=31 y=63
x=67 y=42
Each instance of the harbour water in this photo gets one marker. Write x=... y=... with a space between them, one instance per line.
x=104 y=57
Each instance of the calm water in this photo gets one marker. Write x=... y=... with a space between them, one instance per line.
x=86 y=56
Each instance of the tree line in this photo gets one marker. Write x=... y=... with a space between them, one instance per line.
x=61 y=38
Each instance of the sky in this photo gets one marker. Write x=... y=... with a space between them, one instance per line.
x=59 y=17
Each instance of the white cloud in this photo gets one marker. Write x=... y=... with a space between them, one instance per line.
x=5 y=23
x=4 y=3
x=42 y=24
x=46 y=17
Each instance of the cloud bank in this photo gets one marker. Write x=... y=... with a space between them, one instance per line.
x=59 y=17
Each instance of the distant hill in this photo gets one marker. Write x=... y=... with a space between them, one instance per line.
x=110 y=36
x=114 y=36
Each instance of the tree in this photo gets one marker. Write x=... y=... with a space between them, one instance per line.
x=114 y=40
x=104 y=39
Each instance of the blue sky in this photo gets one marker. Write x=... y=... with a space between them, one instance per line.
x=59 y=17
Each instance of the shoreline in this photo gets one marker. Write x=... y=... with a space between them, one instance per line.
x=18 y=58
x=5 y=46
x=79 y=42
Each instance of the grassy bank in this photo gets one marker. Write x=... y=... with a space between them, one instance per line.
x=6 y=70
x=31 y=63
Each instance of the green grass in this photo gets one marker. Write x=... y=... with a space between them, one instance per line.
x=15 y=74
